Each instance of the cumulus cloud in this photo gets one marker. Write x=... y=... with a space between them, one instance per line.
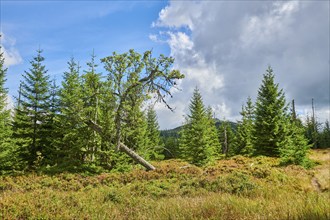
x=224 y=47
x=10 y=53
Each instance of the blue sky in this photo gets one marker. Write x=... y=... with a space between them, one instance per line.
x=75 y=28
x=222 y=47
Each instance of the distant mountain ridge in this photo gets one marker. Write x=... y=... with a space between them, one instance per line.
x=175 y=131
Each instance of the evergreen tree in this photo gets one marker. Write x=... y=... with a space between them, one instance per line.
x=33 y=113
x=294 y=148
x=212 y=131
x=91 y=82
x=7 y=154
x=70 y=148
x=107 y=106
x=195 y=143
x=325 y=136
x=244 y=140
x=153 y=133
x=270 y=122
x=52 y=132
x=313 y=131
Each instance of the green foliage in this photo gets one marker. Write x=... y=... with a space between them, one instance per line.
x=91 y=86
x=154 y=145
x=325 y=136
x=270 y=117
x=296 y=146
x=227 y=139
x=8 y=157
x=32 y=113
x=72 y=142
x=313 y=131
x=197 y=144
x=244 y=136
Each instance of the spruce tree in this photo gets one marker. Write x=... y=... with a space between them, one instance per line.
x=212 y=131
x=153 y=135
x=244 y=140
x=270 y=112
x=91 y=83
x=7 y=154
x=294 y=148
x=195 y=143
x=70 y=124
x=325 y=135
x=32 y=114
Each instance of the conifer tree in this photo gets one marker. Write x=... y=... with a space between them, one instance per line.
x=195 y=143
x=270 y=117
x=294 y=148
x=70 y=125
x=313 y=131
x=52 y=132
x=244 y=140
x=7 y=154
x=91 y=83
x=325 y=135
x=212 y=131
x=153 y=134
x=33 y=113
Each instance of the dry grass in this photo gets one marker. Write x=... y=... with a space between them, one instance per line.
x=238 y=188
x=322 y=171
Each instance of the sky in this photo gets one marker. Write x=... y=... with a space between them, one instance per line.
x=222 y=47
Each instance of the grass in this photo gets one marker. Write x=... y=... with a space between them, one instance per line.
x=237 y=188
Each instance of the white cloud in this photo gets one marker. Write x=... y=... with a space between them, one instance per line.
x=267 y=27
x=175 y=15
x=10 y=53
x=224 y=48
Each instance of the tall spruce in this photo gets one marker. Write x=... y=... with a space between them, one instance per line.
x=244 y=135
x=32 y=116
x=71 y=126
x=7 y=154
x=196 y=145
x=91 y=83
x=270 y=117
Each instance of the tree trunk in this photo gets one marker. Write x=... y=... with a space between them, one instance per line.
x=225 y=143
x=136 y=157
x=123 y=147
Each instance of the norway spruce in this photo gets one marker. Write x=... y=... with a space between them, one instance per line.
x=196 y=145
x=71 y=125
x=270 y=117
x=6 y=146
x=244 y=135
x=32 y=115
x=153 y=134
x=295 y=146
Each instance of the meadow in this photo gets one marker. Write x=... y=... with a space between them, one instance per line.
x=235 y=188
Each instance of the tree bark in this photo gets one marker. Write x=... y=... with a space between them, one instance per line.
x=122 y=147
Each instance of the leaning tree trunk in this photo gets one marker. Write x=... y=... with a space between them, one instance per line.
x=122 y=147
